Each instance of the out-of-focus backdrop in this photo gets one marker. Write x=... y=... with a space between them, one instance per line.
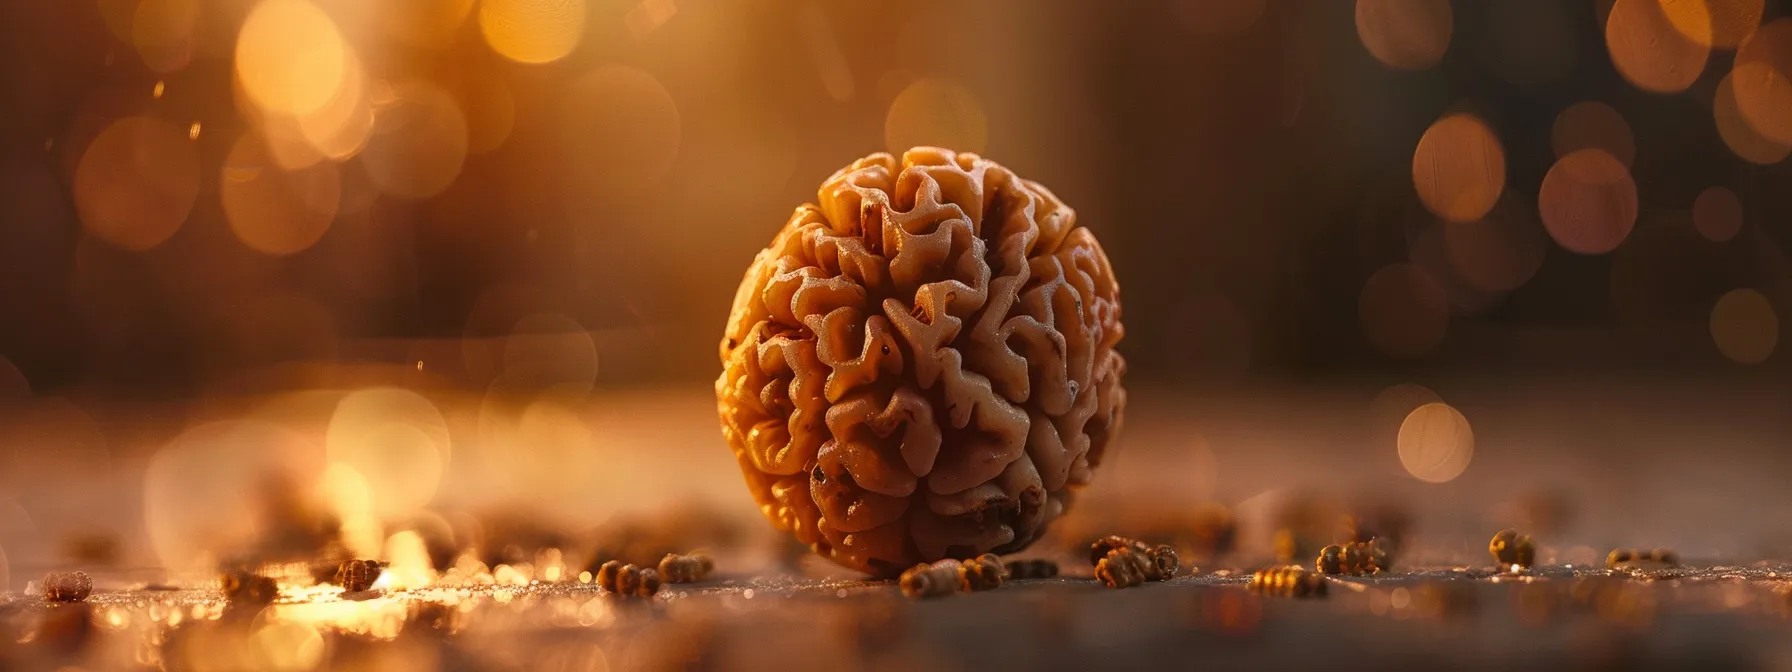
x=426 y=259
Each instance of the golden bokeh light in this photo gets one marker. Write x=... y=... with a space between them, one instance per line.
x=397 y=441
x=1650 y=51
x=340 y=128
x=1459 y=168
x=202 y=491
x=409 y=566
x=1499 y=252
x=1714 y=23
x=1737 y=132
x=1389 y=408
x=489 y=108
x=532 y=31
x=1403 y=311
x=1405 y=34
x=350 y=499
x=290 y=58
x=274 y=211
x=286 y=646
x=1436 y=443
x=136 y=183
x=1762 y=81
x=1745 y=327
x=1593 y=125
x=1717 y=214
x=935 y=111
x=622 y=129
x=429 y=24
x=549 y=352
x=163 y=33
x=1221 y=17
x=419 y=141
x=1588 y=202
x=548 y=456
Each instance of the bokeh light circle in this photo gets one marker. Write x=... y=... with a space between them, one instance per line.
x=419 y=141
x=1745 y=327
x=1458 y=168
x=395 y=439
x=1405 y=34
x=532 y=31
x=622 y=129
x=1714 y=23
x=1436 y=443
x=163 y=33
x=290 y=56
x=1588 y=202
x=1717 y=214
x=1592 y=125
x=1499 y=252
x=137 y=182
x=549 y=352
x=1762 y=81
x=273 y=211
x=1737 y=132
x=937 y=112
x=1404 y=312
x=430 y=24
x=1650 y=51
x=202 y=492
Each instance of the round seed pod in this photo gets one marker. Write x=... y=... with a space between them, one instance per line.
x=921 y=365
x=67 y=586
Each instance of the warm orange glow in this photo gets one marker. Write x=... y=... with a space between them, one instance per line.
x=137 y=182
x=1405 y=34
x=1588 y=202
x=1650 y=51
x=397 y=441
x=1436 y=443
x=1717 y=214
x=1593 y=125
x=1403 y=311
x=290 y=57
x=419 y=141
x=1221 y=17
x=1714 y=23
x=936 y=112
x=622 y=129
x=1499 y=252
x=430 y=24
x=532 y=31
x=1745 y=327
x=1458 y=168
x=1737 y=132
x=273 y=211
x=1762 y=81
x=163 y=33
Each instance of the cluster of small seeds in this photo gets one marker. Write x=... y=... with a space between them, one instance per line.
x=627 y=580
x=1287 y=582
x=1355 y=558
x=689 y=568
x=945 y=577
x=358 y=575
x=1511 y=549
x=1123 y=563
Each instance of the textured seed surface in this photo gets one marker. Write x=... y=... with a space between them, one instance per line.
x=922 y=363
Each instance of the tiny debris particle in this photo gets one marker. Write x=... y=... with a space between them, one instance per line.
x=67 y=586
x=1031 y=569
x=242 y=587
x=1635 y=557
x=193 y=131
x=1287 y=582
x=985 y=572
x=358 y=575
x=688 y=568
x=931 y=580
x=160 y=87
x=1509 y=548
x=1123 y=568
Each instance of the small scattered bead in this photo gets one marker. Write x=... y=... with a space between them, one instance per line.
x=67 y=586
x=691 y=568
x=1287 y=582
x=985 y=572
x=931 y=580
x=1509 y=548
x=1124 y=568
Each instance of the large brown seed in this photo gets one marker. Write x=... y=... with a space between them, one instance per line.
x=889 y=354
x=67 y=586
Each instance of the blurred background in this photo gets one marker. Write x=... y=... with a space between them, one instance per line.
x=420 y=258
